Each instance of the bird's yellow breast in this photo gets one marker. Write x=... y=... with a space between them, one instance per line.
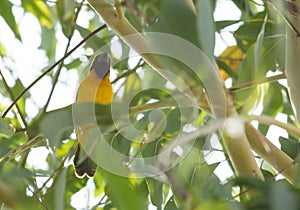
x=94 y=89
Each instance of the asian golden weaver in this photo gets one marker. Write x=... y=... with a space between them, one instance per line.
x=96 y=87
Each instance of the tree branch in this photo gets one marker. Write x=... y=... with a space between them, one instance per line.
x=267 y=120
x=270 y=153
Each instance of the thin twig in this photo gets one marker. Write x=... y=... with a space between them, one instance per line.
x=257 y=82
x=38 y=191
x=61 y=64
x=101 y=200
x=52 y=67
x=131 y=71
x=26 y=146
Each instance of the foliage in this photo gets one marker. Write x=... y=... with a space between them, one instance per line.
x=37 y=144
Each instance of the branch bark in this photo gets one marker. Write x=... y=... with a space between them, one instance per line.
x=238 y=147
x=270 y=153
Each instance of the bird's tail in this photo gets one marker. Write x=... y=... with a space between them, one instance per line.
x=83 y=164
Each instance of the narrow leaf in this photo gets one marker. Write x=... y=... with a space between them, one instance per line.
x=2 y=50
x=40 y=10
x=281 y=197
x=290 y=146
x=206 y=27
x=6 y=13
x=5 y=129
x=57 y=125
x=259 y=42
x=224 y=23
x=122 y=193
x=156 y=191
x=60 y=191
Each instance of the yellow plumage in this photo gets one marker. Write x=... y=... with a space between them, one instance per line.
x=93 y=89
x=96 y=87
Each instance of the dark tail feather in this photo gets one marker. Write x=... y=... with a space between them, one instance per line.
x=83 y=165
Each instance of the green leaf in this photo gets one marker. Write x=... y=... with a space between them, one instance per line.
x=224 y=23
x=133 y=85
x=174 y=121
x=297 y=175
x=74 y=64
x=16 y=90
x=247 y=97
x=183 y=25
x=40 y=10
x=258 y=43
x=156 y=191
x=99 y=183
x=66 y=15
x=290 y=146
x=57 y=125
x=252 y=182
x=60 y=190
x=5 y=129
x=2 y=50
x=247 y=70
x=250 y=29
x=6 y=13
x=242 y=5
x=152 y=149
x=270 y=56
x=123 y=193
x=171 y=205
x=268 y=176
x=120 y=144
x=252 y=70
x=88 y=113
x=216 y=205
x=73 y=184
x=272 y=103
x=94 y=42
x=206 y=27
x=281 y=197
x=153 y=77
x=48 y=41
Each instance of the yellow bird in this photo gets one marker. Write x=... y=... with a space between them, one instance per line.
x=96 y=87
